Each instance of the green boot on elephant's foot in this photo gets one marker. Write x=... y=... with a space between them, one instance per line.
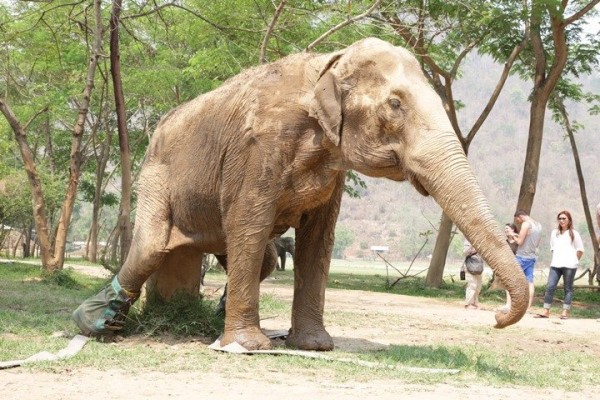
x=104 y=314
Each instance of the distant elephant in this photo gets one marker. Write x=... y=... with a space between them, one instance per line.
x=284 y=245
x=232 y=169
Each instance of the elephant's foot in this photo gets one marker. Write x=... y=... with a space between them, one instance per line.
x=313 y=339
x=250 y=338
x=104 y=314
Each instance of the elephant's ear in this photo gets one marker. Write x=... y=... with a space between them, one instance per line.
x=326 y=106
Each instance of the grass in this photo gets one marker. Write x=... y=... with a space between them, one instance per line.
x=34 y=305
x=183 y=315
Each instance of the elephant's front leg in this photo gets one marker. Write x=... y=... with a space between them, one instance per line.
x=314 y=244
x=245 y=255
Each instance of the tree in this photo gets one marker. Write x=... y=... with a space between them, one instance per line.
x=115 y=72
x=343 y=239
x=52 y=247
x=553 y=33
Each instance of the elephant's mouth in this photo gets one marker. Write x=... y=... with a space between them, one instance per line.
x=415 y=182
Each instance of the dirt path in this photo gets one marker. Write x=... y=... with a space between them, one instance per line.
x=378 y=320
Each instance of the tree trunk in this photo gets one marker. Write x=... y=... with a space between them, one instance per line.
x=438 y=259
x=586 y=207
x=533 y=153
x=37 y=197
x=16 y=246
x=180 y=273
x=93 y=237
x=27 y=243
x=115 y=70
x=545 y=79
x=101 y=162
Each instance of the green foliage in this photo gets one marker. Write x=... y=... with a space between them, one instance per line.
x=271 y=306
x=354 y=184
x=63 y=278
x=182 y=315
x=344 y=237
x=87 y=189
x=16 y=200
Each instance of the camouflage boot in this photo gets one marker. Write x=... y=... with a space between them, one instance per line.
x=104 y=314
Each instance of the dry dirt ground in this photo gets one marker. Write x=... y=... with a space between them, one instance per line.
x=396 y=319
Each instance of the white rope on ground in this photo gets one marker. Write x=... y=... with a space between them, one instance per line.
x=239 y=349
x=74 y=346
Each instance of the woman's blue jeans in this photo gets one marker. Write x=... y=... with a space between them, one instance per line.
x=568 y=275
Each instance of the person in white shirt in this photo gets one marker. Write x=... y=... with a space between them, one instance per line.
x=567 y=249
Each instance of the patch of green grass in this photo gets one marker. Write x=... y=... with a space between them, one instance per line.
x=182 y=315
x=63 y=278
x=35 y=304
x=270 y=305
x=490 y=366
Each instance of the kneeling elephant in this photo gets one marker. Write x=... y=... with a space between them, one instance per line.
x=232 y=169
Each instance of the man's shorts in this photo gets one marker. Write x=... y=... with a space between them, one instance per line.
x=528 y=267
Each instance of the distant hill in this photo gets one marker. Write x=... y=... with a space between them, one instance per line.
x=393 y=214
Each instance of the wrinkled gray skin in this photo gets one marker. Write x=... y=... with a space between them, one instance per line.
x=284 y=245
x=230 y=170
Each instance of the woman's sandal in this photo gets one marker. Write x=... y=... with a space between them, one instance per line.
x=540 y=316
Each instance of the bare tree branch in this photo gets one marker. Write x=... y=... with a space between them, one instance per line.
x=498 y=89
x=412 y=41
x=461 y=57
x=43 y=110
x=263 y=47
x=342 y=25
x=581 y=12
x=218 y=27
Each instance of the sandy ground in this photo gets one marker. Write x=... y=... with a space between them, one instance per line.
x=398 y=320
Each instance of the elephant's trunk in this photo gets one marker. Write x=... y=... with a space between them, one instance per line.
x=442 y=169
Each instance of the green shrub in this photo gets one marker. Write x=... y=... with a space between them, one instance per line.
x=183 y=315
x=63 y=278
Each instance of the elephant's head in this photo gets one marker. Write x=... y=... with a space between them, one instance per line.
x=385 y=120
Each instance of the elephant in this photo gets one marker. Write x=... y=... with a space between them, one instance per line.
x=284 y=245
x=267 y=151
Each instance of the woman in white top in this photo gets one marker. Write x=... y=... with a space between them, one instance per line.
x=567 y=249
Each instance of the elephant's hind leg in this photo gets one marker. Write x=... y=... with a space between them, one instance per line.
x=104 y=314
x=181 y=272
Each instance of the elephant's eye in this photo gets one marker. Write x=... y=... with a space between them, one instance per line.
x=395 y=104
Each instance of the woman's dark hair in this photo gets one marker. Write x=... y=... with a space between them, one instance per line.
x=569 y=225
x=513 y=227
